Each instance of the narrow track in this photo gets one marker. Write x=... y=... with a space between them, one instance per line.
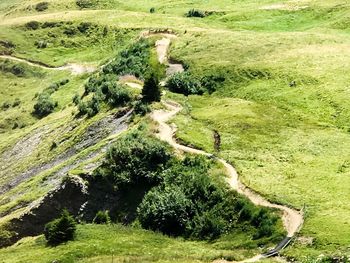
x=292 y=219
x=75 y=69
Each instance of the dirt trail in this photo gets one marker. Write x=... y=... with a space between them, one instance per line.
x=292 y=219
x=75 y=69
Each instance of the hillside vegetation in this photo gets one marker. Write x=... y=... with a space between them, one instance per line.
x=270 y=77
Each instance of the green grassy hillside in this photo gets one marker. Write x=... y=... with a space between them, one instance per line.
x=282 y=111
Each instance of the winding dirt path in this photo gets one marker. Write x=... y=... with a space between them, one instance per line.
x=75 y=69
x=292 y=219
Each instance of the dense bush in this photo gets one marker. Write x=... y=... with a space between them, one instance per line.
x=102 y=217
x=15 y=69
x=185 y=83
x=165 y=209
x=41 y=44
x=135 y=158
x=195 y=13
x=5 y=105
x=132 y=61
x=85 y=3
x=33 y=25
x=83 y=27
x=16 y=103
x=152 y=10
x=42 y=6
x=61 y=229
x=208 y=209
x=141 y=108
x=211 y=82
x=151 y=89
x=115 y=94
x=44 y=105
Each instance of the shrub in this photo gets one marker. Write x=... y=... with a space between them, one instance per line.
x=85 y=3
x=132 y=61
x=33 y=25
x=208 y=225
x=102 y=217
x=116 y=94
x=166 y=210
x=42 y=6
x=152 y=10
x=76 y=99
x=184 y=83
x=41 y=44
x=151 y=90
x=82 y=107
x=195 y=13
x=63 y=82
x=44 y=106
x=83 y=27
x=105 y=31
x=133 y=159
x=70 y=31
x=93 y=106
x=213 y=211
x=18 y=70
x=141 y=108
x=61 y=229
x=16 y=103
x=211 y=82
x=5 y=105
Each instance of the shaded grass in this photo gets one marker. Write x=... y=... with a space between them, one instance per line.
x=99 y=243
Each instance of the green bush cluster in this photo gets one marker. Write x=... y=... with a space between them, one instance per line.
x=189 y=203
x=181 y=199
x=106 y=89
x=32 y=25
x=196 y=13
x=41 y=44
x=102 y=217
x=131 y=61
x=55 y=86
x=134 y=159
x=61 y=229
x=42 y=6
x=85 y=3
x=44 y=105
x=187 y=84
x=15 y=69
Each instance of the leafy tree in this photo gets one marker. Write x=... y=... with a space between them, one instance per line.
x=61 y=229
x=151 y=90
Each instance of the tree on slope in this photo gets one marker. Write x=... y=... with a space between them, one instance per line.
x=151 y=90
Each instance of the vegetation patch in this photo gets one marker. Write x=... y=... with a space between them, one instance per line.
x=132 y=61
x=42 y=6
x=180 y=197
x=61 y=229
x=187 y=84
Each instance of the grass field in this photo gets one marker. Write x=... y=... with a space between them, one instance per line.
x=120 y=244
x=282 y=112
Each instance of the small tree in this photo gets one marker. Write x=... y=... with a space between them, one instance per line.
x=151 y=91
x=102 y=217
x=61 y=229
